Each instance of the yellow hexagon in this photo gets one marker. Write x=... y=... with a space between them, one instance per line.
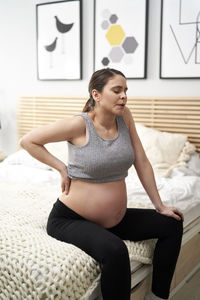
x=115 y=35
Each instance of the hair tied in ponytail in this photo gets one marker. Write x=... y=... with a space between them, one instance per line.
x=92 y=102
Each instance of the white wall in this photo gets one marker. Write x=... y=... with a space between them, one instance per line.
x=18 y=63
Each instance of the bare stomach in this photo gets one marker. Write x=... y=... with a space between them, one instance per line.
x=102 y=203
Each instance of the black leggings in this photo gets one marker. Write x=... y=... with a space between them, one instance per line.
x=106 y=246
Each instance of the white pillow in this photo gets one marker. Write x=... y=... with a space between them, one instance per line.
x=22 y=157
x=162 y=148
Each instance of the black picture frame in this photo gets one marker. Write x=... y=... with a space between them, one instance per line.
x=180 y=39
x=59 y=40
x=128 y=18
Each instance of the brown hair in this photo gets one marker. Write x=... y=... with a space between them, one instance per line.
x=98 y=80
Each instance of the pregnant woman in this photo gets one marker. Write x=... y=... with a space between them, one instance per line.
x=92 y=212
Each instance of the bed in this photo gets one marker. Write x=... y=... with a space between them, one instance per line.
x=35 y=266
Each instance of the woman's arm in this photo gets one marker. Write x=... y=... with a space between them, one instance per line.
x=62 y=130
x=145 y=172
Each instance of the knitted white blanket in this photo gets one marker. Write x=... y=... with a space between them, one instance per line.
x=34 y=265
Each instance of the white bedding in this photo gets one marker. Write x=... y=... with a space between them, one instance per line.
x=180 y=190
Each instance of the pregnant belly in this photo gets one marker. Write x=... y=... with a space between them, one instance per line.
x=102 y=203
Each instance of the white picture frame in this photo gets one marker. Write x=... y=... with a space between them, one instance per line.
x=180 y=39
x=120 y=36
x=59 y=40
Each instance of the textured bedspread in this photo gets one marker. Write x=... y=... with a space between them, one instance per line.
x=34 y=265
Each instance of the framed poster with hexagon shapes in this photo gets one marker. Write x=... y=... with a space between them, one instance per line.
x=120 y=36
x=59 y=49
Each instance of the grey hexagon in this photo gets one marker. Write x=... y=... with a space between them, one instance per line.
x=113 y=19
x=105 y=13
x=105 y=24
x=105 y=61
x=116 y=54
x=130 y=44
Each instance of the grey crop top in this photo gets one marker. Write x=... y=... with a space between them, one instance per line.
x=101 y=160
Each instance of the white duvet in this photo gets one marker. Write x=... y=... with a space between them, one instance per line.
x=180 y=190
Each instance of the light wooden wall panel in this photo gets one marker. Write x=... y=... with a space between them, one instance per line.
x=180 y=115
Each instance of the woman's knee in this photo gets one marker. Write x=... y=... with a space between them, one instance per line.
x=175 y=227
x=116 y=251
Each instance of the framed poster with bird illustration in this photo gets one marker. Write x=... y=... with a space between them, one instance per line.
x=59 y=40
x=121 y=36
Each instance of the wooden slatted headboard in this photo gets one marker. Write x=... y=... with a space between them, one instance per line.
x=180 y=115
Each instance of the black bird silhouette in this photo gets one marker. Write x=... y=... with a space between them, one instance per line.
x=63 y=27
x=52 y=46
